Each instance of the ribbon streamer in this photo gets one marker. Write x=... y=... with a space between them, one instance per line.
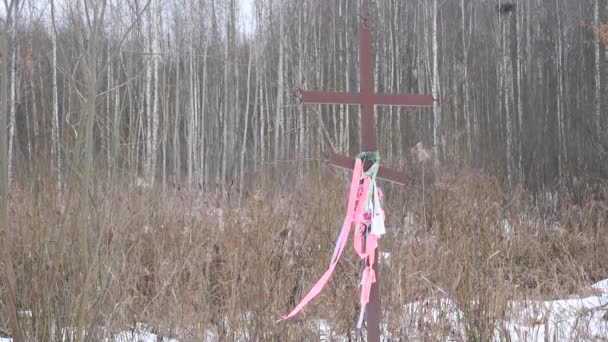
x=360 y=199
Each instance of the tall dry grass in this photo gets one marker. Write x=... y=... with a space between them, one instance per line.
x=200 y=267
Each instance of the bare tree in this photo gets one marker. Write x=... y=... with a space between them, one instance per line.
x=437 y=121
x=598 y=71
x=278 y=116
x=9 y=296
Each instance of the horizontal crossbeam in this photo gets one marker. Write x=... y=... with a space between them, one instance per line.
x=410 y=100
x=330 y=97
x=324 y=97
x=385 y=173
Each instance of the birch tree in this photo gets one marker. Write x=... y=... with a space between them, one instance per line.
x=13 y=97
x=278 y=115
x=598 y=71
x=55 y=144
x=9 y=297
x=437 y=121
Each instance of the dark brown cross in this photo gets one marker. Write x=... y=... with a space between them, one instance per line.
x=367 y=98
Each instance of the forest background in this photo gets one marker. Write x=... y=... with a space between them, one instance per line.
x=174 y=107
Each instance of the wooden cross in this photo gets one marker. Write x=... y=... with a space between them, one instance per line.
x=367 y=98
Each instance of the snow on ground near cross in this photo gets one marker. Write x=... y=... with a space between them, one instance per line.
x=573 y=319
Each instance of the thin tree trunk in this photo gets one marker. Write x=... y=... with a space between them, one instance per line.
x=467 y=109
x=508 y=94
x=116 y=133
x=12 y=108
x=87 y=157
x=191 y=117
x=279 y=106
x=56 y=143
x=108 y=121
x=598 y=71
x=245 y=128
x=165 y=126
x=301 y=129
x=156 y=12
x=520 y=105
x=203 y=145
x=8 y=294
x=177 y=167
x=262 y=124
x=437 y=125
x=149 y=112
x=226 y=117
x=562 y=152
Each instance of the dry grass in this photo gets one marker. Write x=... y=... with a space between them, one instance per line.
x=193 y=266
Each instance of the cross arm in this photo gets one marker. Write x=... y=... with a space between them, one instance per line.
x=410 y=100
x=384 y=173
x=330 y=97
x=353 y=98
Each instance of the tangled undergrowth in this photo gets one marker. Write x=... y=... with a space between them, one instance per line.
x=198 y=267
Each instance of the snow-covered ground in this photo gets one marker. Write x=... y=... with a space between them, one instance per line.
x=571 y=319
x=576 y=319
x=139 y=334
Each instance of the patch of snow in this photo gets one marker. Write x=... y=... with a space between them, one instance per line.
x=386 y=257
x=602 y=286
x=139 y=335
x=556 y=320
x=326 y=331
x=560 y=320
x=507 y=228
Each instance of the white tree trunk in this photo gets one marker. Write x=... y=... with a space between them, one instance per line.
x=563 y=152
x=108 y=121
x=12 y=108
x=262 y=124
x=301 y=129
x=56 y=143
x=191 y=116
x=116 y=133
x=507 y=80
x=177 y=169
x=226 y=138
x=246 y=127
x=437 y=134
x=148 y=38
x=152 y=122
x=157 y=88
x=467 y=110
x=203 y=146
x=520 y=104
x=279 y=106
x=598 y=78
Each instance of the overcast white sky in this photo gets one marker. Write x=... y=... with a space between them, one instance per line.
x=247 y=14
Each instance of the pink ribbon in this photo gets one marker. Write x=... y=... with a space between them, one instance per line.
x=356 y=203
x=352 y=214
x=369 y=276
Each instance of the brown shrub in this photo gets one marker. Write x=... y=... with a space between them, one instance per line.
x=188 y=267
